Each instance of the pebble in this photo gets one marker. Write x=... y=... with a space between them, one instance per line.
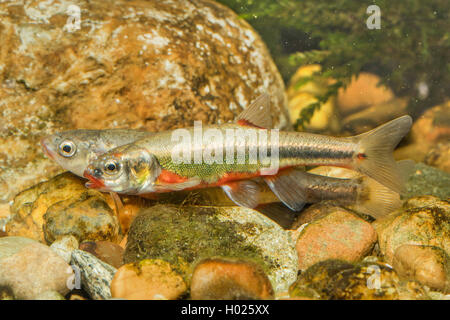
x=30 y=268
x=224 y=279
x=58 y=207
x=200 y=232
x=338 y=235
x=150 y=279
x=428 y=265
x=108 y=252
x=96 y=275
x=423 y=220
x=88 y=217
x=339 y=280
x=64 y=247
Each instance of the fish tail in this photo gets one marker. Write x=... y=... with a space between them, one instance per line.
x=375 y=153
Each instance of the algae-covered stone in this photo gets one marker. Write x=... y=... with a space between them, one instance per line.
x=427 y=180
x=340 y=280
x=192 y=233
x=421 y=221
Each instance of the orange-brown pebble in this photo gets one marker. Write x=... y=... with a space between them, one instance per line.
x=217 y=279
x=106 y=251
x=338 y=235
x=147 y=280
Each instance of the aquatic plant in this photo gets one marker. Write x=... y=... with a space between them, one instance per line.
x=410 y=50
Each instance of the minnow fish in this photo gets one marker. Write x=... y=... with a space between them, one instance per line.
x=74 y=149
x=147 y=165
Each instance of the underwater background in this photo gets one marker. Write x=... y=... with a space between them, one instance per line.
x=336 y=68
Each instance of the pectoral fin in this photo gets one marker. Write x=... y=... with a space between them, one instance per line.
x=244 y=193
x=257 y=114
x=287 y=186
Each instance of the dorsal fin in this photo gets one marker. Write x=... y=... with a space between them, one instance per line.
x=257 y=114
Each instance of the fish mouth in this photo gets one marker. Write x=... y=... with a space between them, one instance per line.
x=93 y=183
x=49 y=153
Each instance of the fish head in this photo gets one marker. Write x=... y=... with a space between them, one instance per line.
x=70 y=149
x=127 y=170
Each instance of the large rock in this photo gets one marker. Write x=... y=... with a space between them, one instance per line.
x=183 y=236
x=30 y=268
x=132 y=64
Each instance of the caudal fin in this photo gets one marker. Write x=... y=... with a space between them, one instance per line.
x=375 y=157
x=377 y=200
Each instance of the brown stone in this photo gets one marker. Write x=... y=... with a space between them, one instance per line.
x=30 y=206
x=423 y=220
x=427 y=264
x=150 y=279
x=106 y=251
x=217 y=279
x=363 y=91
x=338 y=235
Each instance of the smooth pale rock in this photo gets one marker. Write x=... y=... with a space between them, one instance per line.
x=427 y=264
x=96 y=275
x=339 y=280
x=147 y=280
x=88 y=217
x=30 y=206
x=338 y=235
x=64 y=247
x=188 y=234
x=30 y=268
x=222 y=279
x=154 y=65
x=421 y=221
x=108 y=252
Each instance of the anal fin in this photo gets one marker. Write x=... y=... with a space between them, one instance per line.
x=287 y=186
x=244 y=193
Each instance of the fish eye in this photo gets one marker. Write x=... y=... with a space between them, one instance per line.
x=111 y=167
x=67 y=148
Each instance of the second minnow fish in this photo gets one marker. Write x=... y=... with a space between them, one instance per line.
x=148 y=165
